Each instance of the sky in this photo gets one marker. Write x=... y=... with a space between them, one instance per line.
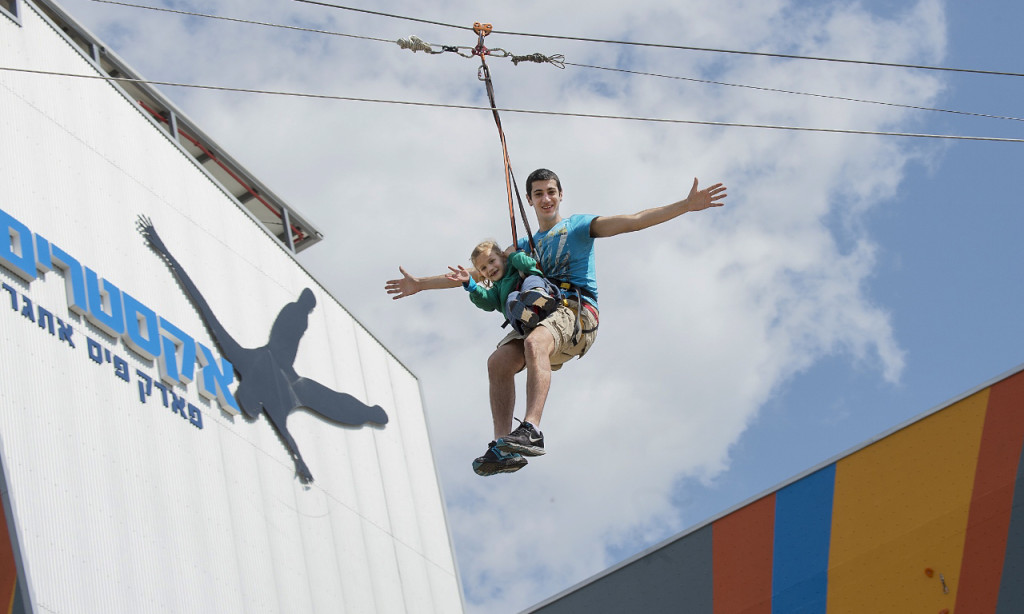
x=850 y=283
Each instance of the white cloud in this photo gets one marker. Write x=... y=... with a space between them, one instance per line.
x=702 y=318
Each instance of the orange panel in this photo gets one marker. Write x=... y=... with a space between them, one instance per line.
x=992 y=499
x=742 y=559
x=900 y=508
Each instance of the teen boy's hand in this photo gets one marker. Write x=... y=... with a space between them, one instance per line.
x=409 y=285
x=401 y=288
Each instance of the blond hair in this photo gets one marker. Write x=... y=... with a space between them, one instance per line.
x=486 y=247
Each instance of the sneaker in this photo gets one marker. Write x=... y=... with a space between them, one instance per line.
x=496 y=461
x=540 y=299
x=523 y=315
x=526 y=440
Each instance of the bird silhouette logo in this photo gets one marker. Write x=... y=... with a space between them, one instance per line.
x=267 y=378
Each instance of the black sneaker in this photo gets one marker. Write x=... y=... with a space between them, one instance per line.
x=526 y=440
x=496 y=461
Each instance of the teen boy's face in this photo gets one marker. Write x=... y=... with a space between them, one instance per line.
x=491 y=265
x=545 y=197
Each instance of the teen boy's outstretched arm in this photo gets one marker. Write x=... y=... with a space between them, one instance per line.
x=697 y=200
x=407 y=285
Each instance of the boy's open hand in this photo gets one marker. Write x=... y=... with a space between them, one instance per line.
x=460 y=274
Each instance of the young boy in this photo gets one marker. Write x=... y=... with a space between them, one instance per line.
x=518 y=287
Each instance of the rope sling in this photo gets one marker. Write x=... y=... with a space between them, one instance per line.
x=484 y=74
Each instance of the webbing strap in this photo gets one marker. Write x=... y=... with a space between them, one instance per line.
x=510 y=180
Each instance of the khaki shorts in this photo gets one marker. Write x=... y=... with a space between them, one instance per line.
x=561 y=324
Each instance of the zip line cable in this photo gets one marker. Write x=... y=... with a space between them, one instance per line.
x=245 y=21
x=796 y=93
x=415 y=44
x=668 y=46
x=511 y=110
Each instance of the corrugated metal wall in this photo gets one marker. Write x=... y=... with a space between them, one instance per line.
x=929 y=519
x=121 y=504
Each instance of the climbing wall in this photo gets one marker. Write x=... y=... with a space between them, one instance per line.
x=928 y=519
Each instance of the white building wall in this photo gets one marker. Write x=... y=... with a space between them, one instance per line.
x=122 y=505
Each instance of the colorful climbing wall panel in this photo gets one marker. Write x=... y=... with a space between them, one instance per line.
x=928 y=519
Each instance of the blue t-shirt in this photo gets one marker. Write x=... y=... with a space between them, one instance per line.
x=566 y=253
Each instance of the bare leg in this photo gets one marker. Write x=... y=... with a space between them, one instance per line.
x=537 y=351
x=502 y=367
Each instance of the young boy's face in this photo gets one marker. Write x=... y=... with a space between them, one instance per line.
x=491 y=265
x=545 y=197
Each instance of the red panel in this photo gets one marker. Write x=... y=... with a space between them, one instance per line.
x=8 y=572
x=992 y=498
x=742 y=559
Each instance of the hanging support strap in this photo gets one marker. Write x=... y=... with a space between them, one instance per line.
x=484 y=74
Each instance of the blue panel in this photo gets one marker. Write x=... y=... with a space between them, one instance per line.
x=803 y=529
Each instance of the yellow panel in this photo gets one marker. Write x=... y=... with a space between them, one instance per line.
x=900 y=508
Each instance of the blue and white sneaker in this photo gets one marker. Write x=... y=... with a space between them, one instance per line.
x=525 y=440
x=544 y=302
x=496 y=461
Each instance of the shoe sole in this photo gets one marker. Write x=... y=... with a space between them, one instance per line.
x=524 y=315
x=523 y=449
x=482 y=471
x=489 y=469
x=537 y=299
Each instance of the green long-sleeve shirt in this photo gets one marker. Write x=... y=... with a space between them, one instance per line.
x=493 y=298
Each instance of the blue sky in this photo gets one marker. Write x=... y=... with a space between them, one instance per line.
x=851 y=282
x=948 y=272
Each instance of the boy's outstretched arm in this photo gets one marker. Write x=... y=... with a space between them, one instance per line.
x=697 y=200
x=407 y=285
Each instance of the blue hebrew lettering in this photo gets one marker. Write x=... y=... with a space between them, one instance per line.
x=178 y=405
x=177 y=362
x=163 y=391
x=214 y=380
x=17 y=250
x=136 y=317
x=105 y=308
x=64 y=332
x=121 y=368
x=74 y=281
x=43 y=262
x=95 y=350
x=195 y=416
x=45 y=317
x=13 y=293
x=145 y=385
x=27 y=309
